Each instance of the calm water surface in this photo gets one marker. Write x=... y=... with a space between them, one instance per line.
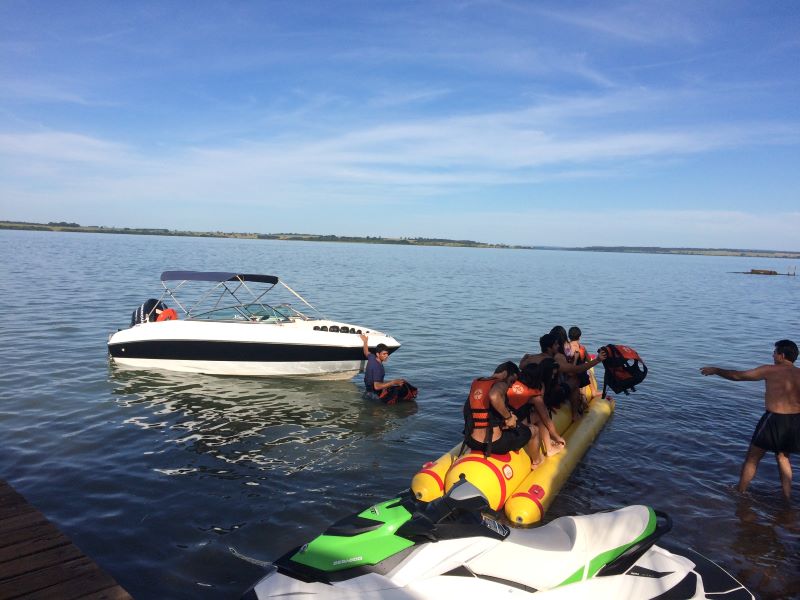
x=157 y=475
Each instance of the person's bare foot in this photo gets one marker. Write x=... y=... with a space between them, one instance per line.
x=535 y=464
x=555 y=449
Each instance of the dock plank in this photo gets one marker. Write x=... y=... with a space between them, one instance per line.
x=32 y=533
x=39 y=562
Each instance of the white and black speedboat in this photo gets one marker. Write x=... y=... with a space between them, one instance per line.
x=405 y=548
x=231 y=330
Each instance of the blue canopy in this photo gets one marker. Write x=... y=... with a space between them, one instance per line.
x=216 y=276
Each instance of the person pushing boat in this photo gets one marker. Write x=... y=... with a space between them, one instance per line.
x=389 y=392
x=778 y=430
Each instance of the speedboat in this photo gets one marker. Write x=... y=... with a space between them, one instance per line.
x=231 y=330
x=449 y=548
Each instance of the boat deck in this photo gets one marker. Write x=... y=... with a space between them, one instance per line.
x=38 y=561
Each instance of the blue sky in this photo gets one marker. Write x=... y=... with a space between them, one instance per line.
x=545 y=123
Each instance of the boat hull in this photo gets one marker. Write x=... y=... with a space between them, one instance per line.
x=244 y=349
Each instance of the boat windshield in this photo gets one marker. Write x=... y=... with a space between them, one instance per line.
x=232 y=297
x=253 y=312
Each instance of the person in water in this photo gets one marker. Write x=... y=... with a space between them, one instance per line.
x=490 y=426
x=390 y=392
x=778 y=430
x=551 y=347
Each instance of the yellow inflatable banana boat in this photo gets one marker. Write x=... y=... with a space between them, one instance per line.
x=506 y=479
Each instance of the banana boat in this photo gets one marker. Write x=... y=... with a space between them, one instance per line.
x=506 y=480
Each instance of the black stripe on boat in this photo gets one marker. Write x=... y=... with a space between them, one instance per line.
x=232 y=351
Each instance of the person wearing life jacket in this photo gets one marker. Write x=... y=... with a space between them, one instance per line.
x=551 y=347
x=526 y=399
x=490 y=426
x=581 y=355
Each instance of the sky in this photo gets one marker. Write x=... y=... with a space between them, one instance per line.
x=556 y=123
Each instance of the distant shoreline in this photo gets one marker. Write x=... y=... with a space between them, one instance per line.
x=307 y=237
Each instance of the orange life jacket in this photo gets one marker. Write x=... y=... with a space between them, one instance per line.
x=480 y=409
x=519 y=394
x=583 y=355
x=168 y=315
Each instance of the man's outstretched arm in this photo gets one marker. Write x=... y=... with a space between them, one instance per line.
x=756 y=374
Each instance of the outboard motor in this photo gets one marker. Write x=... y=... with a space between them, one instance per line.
x=147 y=311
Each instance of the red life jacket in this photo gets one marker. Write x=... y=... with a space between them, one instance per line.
x=481 y=414
x=624 y=369
x=168 y=314
x=519 y=394
x=582 y=354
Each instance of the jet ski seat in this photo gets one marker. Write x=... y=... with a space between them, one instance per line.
x=566 y=549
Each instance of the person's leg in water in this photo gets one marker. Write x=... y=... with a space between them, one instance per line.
x=785 y=470
x=750 y=466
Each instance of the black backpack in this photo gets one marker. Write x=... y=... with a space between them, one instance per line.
x=624 y=369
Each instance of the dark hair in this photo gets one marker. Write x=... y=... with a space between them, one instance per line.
x=381 y=348
x=547 y=340
x=509 y=367
x=560 y=333
x=548 y=372
x=574 y=334
x=786 y=348
x=531 y=375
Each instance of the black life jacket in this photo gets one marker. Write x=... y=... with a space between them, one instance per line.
x=624 y=369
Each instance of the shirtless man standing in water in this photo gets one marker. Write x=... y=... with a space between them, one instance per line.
x=778 y=430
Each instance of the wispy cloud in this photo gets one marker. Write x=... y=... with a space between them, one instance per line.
x=434 y=156
x=413 y=107
x=62 y=146
x=637 y=22
x=40 y=91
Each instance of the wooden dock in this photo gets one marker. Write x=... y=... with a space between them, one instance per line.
x=38 y=561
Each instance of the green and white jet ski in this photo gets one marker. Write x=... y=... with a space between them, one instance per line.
x=449 y=548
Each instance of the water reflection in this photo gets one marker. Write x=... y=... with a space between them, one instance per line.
x=768 y=537
x=289 y=423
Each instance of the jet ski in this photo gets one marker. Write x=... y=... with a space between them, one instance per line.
x=452 y=548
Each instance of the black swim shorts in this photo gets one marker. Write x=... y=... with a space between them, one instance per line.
x=511 y=439
x=778 y=433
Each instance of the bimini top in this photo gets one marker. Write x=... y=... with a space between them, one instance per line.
x=217 y=276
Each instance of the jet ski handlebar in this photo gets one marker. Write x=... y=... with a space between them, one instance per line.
x=456 y=514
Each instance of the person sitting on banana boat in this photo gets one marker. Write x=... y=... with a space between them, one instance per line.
x=489 y=425
x=551 y=347
x=579 y=356
x=526 y=400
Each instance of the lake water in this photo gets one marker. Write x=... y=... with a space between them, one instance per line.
x=157 y=475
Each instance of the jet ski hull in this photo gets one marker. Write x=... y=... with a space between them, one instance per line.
x=607 y=555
